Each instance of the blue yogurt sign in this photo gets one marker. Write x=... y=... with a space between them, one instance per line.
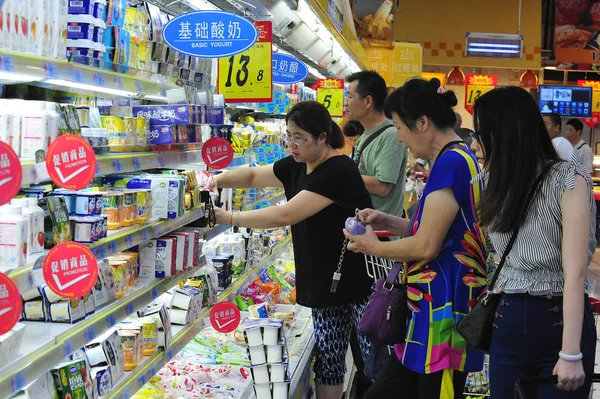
x=288 y=69
x=210 y=34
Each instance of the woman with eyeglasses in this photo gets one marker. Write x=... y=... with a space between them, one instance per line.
x=323 y=188
x=443 y=250
x=544 y=323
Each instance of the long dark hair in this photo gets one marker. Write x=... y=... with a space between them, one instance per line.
x=517 y=148
x=419 y=97
x=314 y=118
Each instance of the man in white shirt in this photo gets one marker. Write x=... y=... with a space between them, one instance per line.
x=573 y=134
x=561 y=145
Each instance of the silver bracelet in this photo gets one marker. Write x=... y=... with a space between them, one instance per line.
x=570 y=358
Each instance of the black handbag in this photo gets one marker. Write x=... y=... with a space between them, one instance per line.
x=544 y=380
x=476 y=327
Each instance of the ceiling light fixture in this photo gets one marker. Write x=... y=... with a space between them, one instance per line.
x=84 y=86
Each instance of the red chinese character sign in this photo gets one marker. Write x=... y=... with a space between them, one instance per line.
x=225 y=317
x=217 y=153
x=476 y=86
x=70 y=269
x=595 y=85
x=10 y=304
x=11 y=174
x=71 y=162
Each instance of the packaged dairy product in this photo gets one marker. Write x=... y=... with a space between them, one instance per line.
x=14 y=233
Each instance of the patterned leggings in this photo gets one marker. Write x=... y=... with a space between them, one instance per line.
x=332 y=328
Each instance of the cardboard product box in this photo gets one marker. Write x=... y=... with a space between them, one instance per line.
x=179 y=316
x=31 y=294
x=102 y=380
x=163 y=134
x=49 y=296
x=148 y=259
x=104 y=290
x=166 y=257
x=181 y=250
x=193 y=248
x=42 y=388
x=165 y=299
x=105 y=350
x=88 y=304
x=36 y=310
x=166 y=114
x=71 y=380
x=163 y=323
x=187 y=298
x=70 y=311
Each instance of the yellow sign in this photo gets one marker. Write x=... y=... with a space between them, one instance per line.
x=408 y=62
x=477 y=86
x=330 y=93
x=430 y=75
x=595 y=85
x=247 y=77
x=380 y=59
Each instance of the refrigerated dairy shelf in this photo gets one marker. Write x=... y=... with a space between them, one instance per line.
x=182 y=335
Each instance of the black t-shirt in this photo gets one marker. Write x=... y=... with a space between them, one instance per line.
x=318 y=239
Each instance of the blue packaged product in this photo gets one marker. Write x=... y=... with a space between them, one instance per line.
x=99 y=10
x=215 y=115
x=80 y=27
x=85 y=204
x=81 y=7
x=162 y=134
x=165 y=114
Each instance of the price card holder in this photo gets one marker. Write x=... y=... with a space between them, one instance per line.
x=99 y=79
x=17 y=382
x=145 y=235
x=113 y=247
x=117 y=166
x=68 y=347
x=50 y=69
x=118 y=82
x=90 y=334
x=248 y=76
x=101 y=252
x=139 y=87
x=111 y=320
x=129 y=309
x=77 y=75
x=129 y=241
x=142 y=380
x=154 y=293
x=137 y=164
x=8 y=63
x=125 y=393
x=170 y=354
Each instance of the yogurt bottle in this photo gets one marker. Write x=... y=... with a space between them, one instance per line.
x=14 y=231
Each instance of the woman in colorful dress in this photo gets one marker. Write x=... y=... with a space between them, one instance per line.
x=544 y=323
x=443 y=250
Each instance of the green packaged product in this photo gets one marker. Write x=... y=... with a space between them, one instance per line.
x=287 y=287
x=59 y=214
x=70 y=379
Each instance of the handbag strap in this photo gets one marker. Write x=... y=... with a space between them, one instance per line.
x=368 y=141
x=513 y=238
x=393 y=275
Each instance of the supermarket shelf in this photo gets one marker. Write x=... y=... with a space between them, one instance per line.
x=46 y=71
x=182 y=335
x=29 y=277
x=46 y=344
x=180 y=156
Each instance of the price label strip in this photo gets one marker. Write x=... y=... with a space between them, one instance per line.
x=248 y=76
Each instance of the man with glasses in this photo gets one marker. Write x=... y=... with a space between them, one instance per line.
x=381 y=158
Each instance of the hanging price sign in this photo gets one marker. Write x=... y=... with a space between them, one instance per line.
x=71 y=162
x=476 y=86
x=247 y=77
x=217 y=153
x=10 y=304
x=595 y=85
x=70 y=270
x=225 y=317
x=11 y=173
x=330 y=93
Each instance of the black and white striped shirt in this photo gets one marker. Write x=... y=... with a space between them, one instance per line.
x=534 y=265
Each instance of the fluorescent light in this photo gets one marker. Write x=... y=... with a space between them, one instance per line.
x=494 y=45
x=306 y=14
x=550 y=68
x=83 y=86
x=491 y=50
x=202 y=5
x=155 y=98
x=314 y=72
x=14 y=78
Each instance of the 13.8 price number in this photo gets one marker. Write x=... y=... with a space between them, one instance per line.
x=242 y=74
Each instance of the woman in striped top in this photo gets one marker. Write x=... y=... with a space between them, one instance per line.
x=544 y=323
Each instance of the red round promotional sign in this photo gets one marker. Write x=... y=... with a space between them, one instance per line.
x=10 y=304
x=11 y=173
x=71 y=162
x=225 y=317
x=217 y=153
x=70 y=269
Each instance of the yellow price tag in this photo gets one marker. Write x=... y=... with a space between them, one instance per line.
x=247 y=76
x=330 y=93
x=474 y=92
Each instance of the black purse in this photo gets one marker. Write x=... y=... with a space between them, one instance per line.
x=476 y=327
x=521 y=384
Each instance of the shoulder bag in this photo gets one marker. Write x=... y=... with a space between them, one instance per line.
x=476 y=327
x=369 y=140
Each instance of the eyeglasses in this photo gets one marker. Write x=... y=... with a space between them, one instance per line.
x=288 y=139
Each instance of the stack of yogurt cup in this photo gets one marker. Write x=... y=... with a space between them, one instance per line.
x=268 y=357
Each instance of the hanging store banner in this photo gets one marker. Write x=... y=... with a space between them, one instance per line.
x=70 y=269
x=595 y=85
x=247 y=77
x=330 y=93
x=210 y=34
x=288 y=69
x=381 y=60
x=576 y=34
x=407 y=61
x=476 y=86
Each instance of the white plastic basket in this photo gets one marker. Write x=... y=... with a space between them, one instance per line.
x=380 y=267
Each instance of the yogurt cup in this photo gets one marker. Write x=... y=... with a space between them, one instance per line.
x=80 y=48
x=81 y=7
x=278 y=372
x=280 y=390
x=263 y=391
x=274 y=353
x=99 y=10
x=253 y=336
x=257 y=355
x=272 y=334
x=80 y=27
x=98 y=33
x=85 y=204
x=260 y=374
